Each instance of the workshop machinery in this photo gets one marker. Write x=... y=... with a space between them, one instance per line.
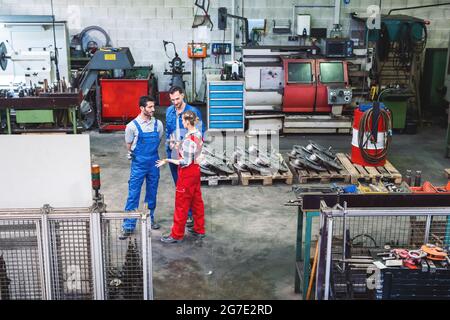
x=176 y=67
x=34 y=60
x=290 y=89
x=110 y=91
x=398 y=47
x=84 y=44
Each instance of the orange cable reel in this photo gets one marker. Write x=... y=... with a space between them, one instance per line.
x=434 y=253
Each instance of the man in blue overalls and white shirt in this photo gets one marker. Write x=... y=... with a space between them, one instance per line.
x=142 y=137
x=175 y=131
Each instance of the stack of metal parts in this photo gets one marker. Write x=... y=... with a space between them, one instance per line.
x=257 y=162
x=314 y=157
x=214 y=164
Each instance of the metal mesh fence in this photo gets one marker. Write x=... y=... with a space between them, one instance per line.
x=357 y=241
x=20 y=273
x=122 y=262
x=439 y=233
x=71 y=264
x=72 y=255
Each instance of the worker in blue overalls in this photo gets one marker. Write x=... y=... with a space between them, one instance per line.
x=175 y=131
x=143 y=137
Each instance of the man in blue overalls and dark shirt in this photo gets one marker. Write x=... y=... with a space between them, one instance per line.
x=175 y=131
x=143 y=137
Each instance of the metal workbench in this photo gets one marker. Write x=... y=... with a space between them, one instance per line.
x=54 y=101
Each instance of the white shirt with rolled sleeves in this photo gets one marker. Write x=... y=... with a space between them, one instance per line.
x=132 y=133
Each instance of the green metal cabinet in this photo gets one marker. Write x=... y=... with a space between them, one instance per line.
x=433 y=100
x=398 y=108
x=34 y=116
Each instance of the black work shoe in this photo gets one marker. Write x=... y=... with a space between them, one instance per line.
x=196 y=234
x=125 y=235
x=155 y=226
x=190 y=222
x=169 y=239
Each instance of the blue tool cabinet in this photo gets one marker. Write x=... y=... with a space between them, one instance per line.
x=226 y=106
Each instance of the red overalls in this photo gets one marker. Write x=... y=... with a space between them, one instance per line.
x=188 y=195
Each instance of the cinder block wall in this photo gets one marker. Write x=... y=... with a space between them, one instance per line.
x=142 y=25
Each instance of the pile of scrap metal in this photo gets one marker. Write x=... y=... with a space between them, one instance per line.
x=257 y=162
x=314 y=157
x=213 y=163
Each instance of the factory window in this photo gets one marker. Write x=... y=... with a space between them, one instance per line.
x=331 y=72
x=299 y=72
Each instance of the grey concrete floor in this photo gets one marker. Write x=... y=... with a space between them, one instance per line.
x=249 y=252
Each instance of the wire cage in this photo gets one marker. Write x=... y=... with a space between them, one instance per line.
x=73 y=254
x=352 y=239
x=122 y=263
x=71 y=261
x=20 y=261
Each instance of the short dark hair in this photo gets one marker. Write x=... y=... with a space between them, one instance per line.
x=176 y=89
x=143 y=101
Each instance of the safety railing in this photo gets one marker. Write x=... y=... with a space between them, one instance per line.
x=67 y=254
x=350 y=238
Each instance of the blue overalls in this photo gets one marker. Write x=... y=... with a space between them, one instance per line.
x=143 y=166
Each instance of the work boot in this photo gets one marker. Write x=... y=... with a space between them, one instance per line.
x=169 y=240
x=196 y=234
x=155 y=226
x=125 y=234
x=190 y=222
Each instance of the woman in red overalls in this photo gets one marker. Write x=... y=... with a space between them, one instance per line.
x=188 y=192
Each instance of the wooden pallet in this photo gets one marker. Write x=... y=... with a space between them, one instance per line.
x=267 y=180
x=369 y=174
x=213 y=181
x=305 y=176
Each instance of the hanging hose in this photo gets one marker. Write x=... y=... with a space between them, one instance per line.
x=368 y=133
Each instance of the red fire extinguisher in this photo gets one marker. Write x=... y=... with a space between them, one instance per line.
x=372 y=135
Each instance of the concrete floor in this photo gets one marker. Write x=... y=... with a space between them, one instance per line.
x=249 y=252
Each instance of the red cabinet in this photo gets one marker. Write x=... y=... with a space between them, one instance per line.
x=120 y=98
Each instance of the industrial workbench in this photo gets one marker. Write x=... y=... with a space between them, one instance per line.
x=54 y=101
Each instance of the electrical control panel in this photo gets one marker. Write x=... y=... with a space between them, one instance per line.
x=339 y=95
x=218 y=49
x=197 y=50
